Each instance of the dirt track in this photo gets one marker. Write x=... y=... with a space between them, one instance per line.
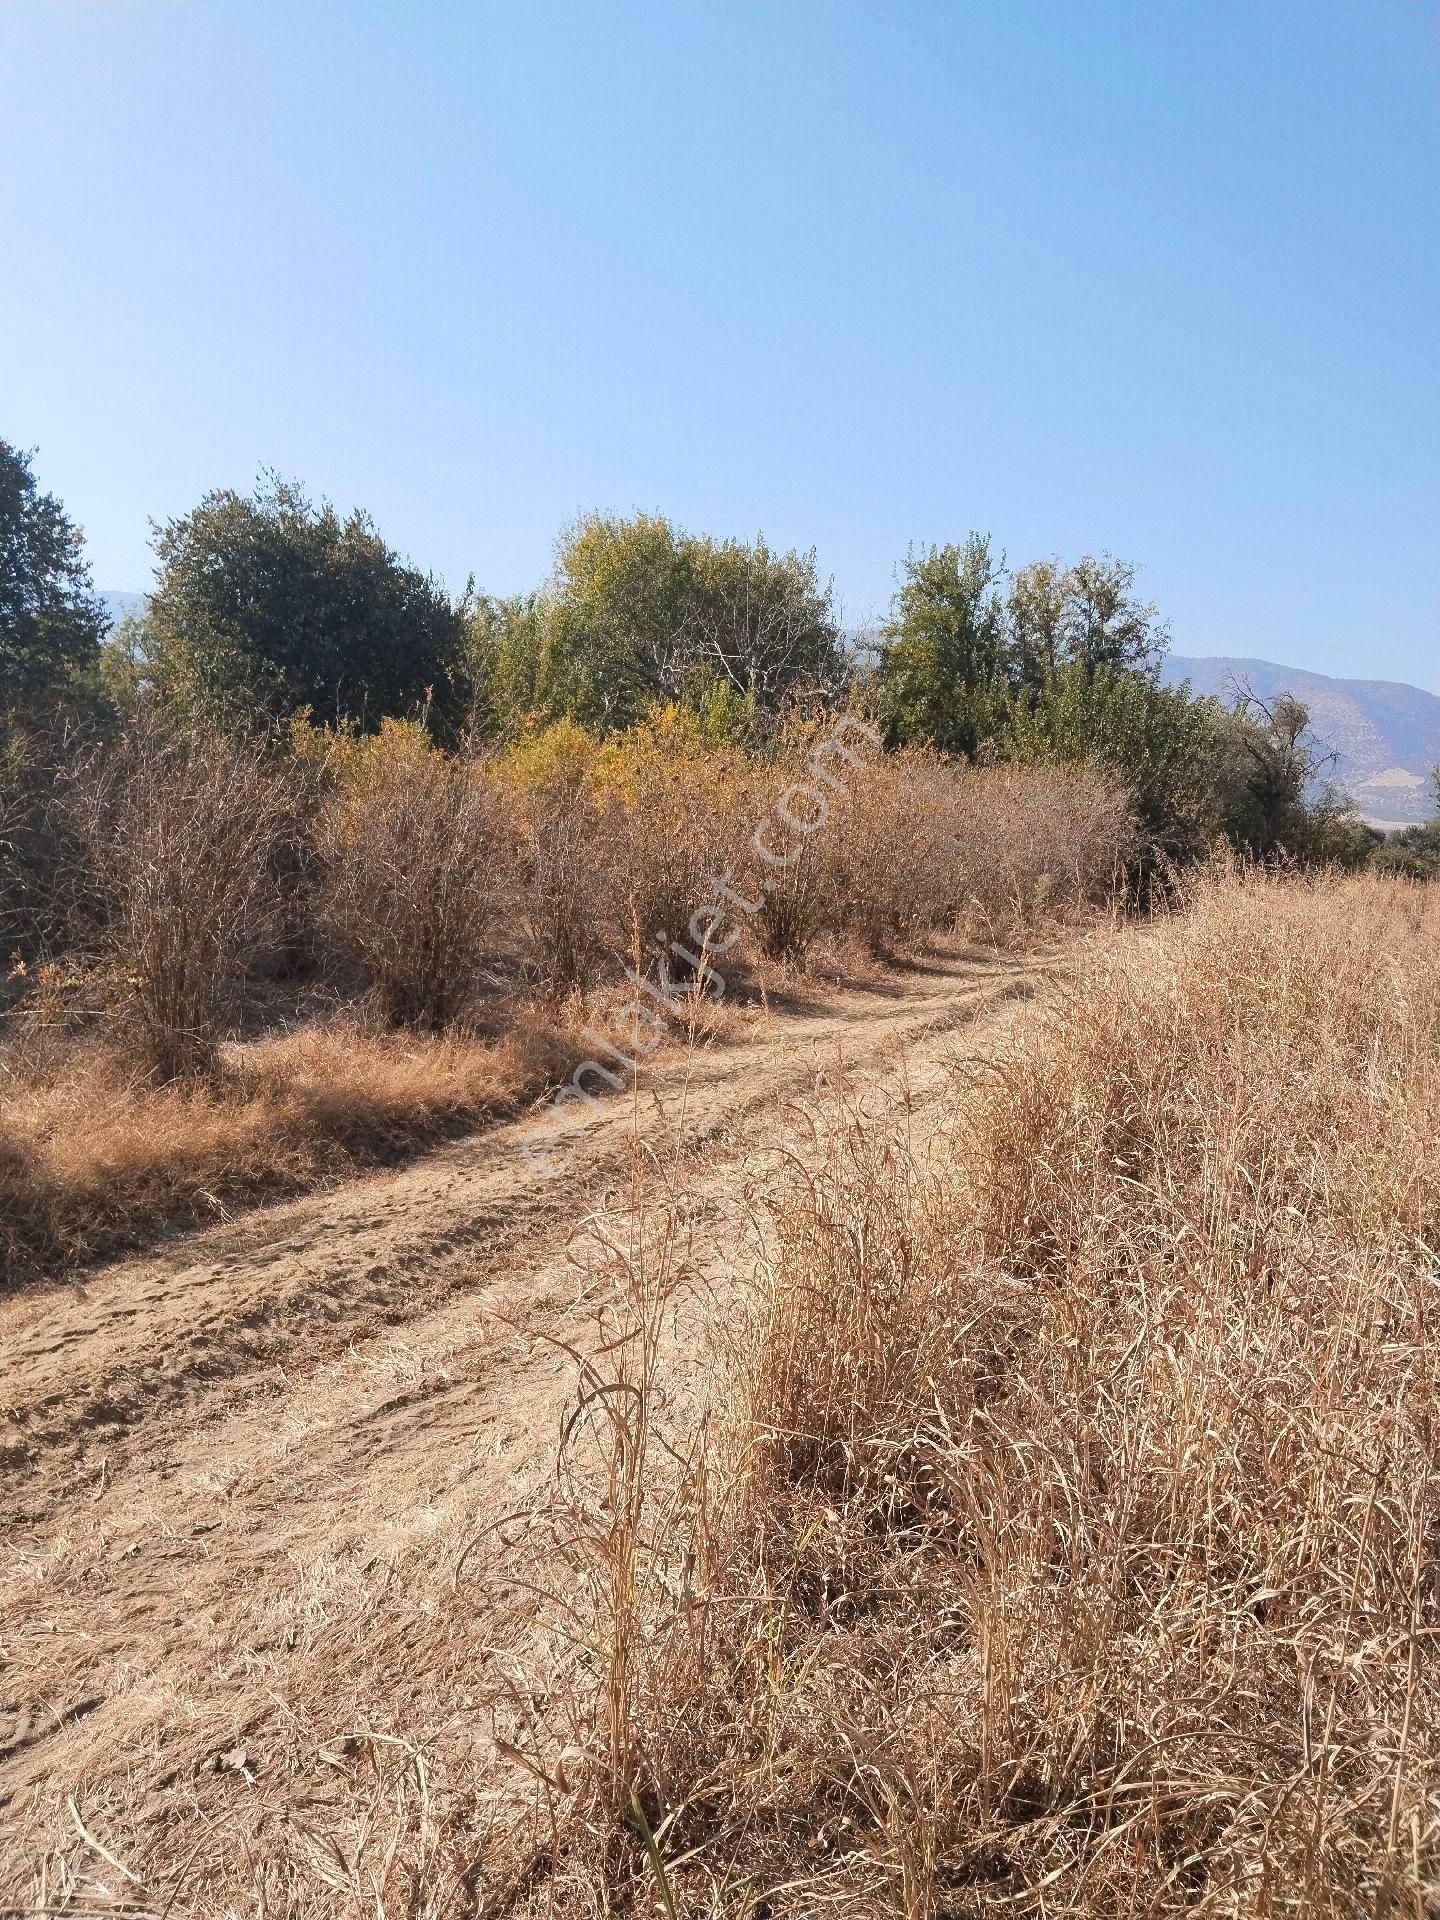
x=235 y=1476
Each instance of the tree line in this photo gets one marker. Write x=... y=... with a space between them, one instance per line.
x=268 y=605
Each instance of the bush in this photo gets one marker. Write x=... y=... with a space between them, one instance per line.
x=415 y=847
x=563 y=876
x=564 y=865
x=673 y=816
x=917 y=845
x=179 y=836
x=882 y=864
x=43 y=878
x=1412 y=854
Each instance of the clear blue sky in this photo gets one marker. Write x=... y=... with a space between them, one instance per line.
x=1157 y=277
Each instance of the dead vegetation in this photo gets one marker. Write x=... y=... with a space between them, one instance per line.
x=177 y=838
x=1063 y=1538
x=1047 y=1524
x=94 y=1162
x=414 y=848
x=203 y=923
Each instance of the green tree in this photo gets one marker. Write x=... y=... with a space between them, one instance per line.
x=1036 y=611
x=758 y=622
x=1277 y=764
x=1162 y=743
x=1411 y=852
x=51 y=622
x=1104 y=623
x=945 y=654
x=1415 y=851
x=513 y=675
x=614 y=616
x=267 y=605
x=637 y=611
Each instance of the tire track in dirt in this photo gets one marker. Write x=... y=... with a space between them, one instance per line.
x=237 y=1473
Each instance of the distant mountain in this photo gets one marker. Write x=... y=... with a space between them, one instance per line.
x=1385 y=735
x=122 y=606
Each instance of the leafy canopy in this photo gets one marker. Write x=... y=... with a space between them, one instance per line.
x=267 y=605
x=945 y=656
x=958 y=648
x=638 y=613
x=51 y=622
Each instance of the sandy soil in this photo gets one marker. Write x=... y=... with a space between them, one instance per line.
x=242 y=1666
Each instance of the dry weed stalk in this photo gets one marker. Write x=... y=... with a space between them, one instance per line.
x=416 y=847
x=1081 y=1549
x=613 y=1570
x=179 y=835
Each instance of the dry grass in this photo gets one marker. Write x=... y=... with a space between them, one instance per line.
x=421 y=887
x=1071 y=1539
x=91 y=1163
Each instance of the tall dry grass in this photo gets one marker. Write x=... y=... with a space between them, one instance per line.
x=220 y=895
x=93 y=1161
x=1071 y=1543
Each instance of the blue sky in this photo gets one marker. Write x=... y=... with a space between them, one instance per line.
x=1156 y=277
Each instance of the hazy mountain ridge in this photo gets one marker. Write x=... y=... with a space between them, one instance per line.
x=121 y=606
x=1385 y=734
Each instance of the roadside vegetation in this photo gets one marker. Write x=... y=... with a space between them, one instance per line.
x=311 y=807
x=1050 y=1524
x=272 y=971
x=1061 y=1536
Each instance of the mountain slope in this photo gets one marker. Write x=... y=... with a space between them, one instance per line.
x=1385 y=735
x=121 y=606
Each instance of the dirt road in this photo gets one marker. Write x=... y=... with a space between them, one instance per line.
x=236 y=1662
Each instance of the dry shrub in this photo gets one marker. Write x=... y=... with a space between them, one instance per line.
x=27 y=859
x=885 y=872
x=633 y=839
x=405 y=855
x=912 y=844
x=416 y=847
x=791 y=911
x=623 y=843
x=564 y=878
x=1074 y=1541
x=1034 y=841
x=47 y=899
x=90 y=1163
x=549 y=780
x=179 y=835
x=673 y=830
